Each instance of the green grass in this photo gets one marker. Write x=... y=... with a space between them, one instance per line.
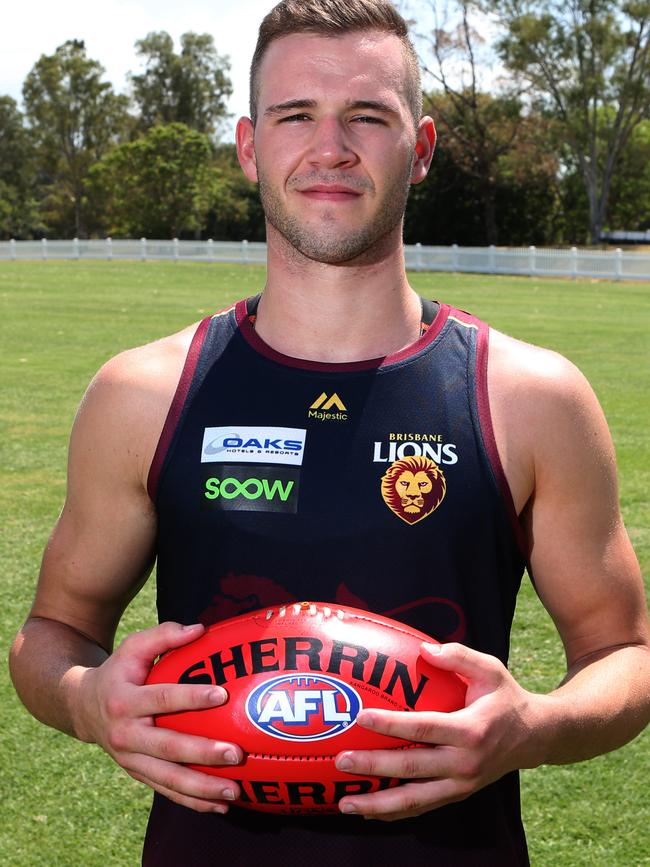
x=65 y=803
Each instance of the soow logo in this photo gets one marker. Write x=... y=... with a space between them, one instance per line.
x=303 y=708
x=251 y=489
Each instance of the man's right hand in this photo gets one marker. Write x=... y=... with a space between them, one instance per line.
x=116 y=708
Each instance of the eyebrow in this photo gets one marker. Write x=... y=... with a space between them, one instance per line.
x=293 y=104
x=290 y=105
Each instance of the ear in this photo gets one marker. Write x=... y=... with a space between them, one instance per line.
x=425 y=144
x=245 y=138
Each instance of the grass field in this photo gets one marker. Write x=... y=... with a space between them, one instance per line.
x=65 y=804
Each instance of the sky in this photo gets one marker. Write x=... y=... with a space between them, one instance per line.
x=111 y=28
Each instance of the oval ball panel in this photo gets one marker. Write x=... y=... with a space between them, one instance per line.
x=297 y=677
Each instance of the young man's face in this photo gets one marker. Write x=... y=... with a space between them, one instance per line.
x=334 y=144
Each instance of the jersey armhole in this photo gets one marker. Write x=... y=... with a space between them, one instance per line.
x=489 y=440
x=176 y=408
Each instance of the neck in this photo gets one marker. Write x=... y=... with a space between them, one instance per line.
x=337 y=313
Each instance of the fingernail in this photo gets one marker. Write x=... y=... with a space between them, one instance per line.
x=228 y=795
x=220 y=808
x=344 y=763
x=366 y=720
x=230 y=757
x=348 y=808
x=189 y=626
x=217 y=694
x=432 y=648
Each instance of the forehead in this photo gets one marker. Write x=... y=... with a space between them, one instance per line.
x=356 y=66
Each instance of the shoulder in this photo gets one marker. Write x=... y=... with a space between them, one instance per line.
x=146 y=368
x=544 y=412
x=125 y=406
x=536 y=381
x=519 y=362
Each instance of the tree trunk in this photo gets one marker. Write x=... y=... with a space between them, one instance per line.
x=490 y=215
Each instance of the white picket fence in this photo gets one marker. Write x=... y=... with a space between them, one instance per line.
x=523 y=261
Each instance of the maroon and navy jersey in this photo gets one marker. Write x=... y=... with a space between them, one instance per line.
x=375 y=484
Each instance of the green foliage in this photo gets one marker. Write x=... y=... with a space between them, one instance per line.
x=493 y=176
x=630 y=197
x=588 y=63
x=75 y=118
x=158 y=185
x=171 y=183
x=190 y=87
x=236 y=211
x=18 y=211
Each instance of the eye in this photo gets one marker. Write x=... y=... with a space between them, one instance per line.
x=368 y=118
x=294 y=118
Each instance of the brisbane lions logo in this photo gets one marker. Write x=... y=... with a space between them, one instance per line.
x=413 y=487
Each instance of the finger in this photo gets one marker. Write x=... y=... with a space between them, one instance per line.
x=153 y=699
x=184 y=782
x=468 y=663
x=428 y=727
x=145 y=646
x=201 y=805
x=174 y=746
x=410 y=799
x=413 y=763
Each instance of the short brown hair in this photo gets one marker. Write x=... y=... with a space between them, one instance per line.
x=336 y=18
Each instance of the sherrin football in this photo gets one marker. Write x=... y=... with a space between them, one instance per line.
x=297 y=677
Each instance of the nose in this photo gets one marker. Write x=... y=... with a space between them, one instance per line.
x=329 y=146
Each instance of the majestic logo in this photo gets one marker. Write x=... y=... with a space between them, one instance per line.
x=254 y=489
x=303 y=708
x=326 y=402
x=328 y=408
x=413 y=487
x=244 y=444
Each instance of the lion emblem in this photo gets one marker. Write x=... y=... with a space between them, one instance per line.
x=413 y=487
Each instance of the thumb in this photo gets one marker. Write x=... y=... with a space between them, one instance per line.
x=470 y=664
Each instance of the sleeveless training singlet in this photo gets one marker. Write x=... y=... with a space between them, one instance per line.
x=279 y=480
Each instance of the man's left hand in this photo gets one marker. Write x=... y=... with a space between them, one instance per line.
x=470 y=748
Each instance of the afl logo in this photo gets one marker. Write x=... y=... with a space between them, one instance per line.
x=303 y=708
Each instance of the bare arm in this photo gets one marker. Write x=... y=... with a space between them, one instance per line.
x=559 y=460
x=99 y=554
x=584 y=568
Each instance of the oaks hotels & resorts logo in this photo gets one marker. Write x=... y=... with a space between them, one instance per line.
x=328 y=407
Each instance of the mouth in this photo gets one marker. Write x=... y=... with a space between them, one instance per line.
x=330 y=193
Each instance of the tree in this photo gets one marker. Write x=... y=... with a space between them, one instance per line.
x=75 y=118
x=191 y=87
x=235 y=212
x=448 y=208
x=159 y=185
x=588 y=63
x=18 y=206
x=630 y=196
x=479 y=121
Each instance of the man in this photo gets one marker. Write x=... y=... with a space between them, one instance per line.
x=342 y=354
